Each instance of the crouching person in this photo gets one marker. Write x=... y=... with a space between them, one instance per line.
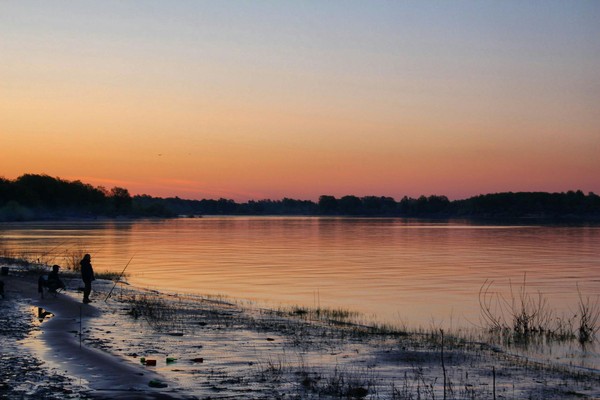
x=52 y=282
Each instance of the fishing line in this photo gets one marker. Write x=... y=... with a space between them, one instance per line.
x=118 y=279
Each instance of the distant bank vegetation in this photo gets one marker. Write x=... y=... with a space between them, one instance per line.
x=39 y=197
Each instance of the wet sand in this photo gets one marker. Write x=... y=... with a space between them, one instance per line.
x=104 y=375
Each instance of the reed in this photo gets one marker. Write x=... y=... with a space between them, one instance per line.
x=72 y=258
x=325 y=314
x=526 y=317
x=589 y=318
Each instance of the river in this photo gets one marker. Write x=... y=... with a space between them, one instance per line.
x=399 y=271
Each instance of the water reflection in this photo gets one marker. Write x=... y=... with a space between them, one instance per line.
x=42 y=314
x=420 y=272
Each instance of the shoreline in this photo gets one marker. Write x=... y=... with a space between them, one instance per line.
x=257 y=353
x=566 y=219
x=58 y=343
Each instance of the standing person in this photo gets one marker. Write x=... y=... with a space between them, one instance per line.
x=87 y=275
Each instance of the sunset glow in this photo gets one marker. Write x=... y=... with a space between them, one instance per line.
x=253 y=100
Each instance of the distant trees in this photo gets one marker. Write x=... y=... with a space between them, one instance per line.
x=43 y=197
x=529 y=204
x=373 y=205
x=499 y=205
x=45 y=192
x=252 y=207
x=328 y=205
x=121 y=201
x=384 y=206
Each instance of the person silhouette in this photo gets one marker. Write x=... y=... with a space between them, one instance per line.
x=54 y=282
x=87 y=275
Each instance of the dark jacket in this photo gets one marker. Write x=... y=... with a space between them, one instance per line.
x=87 y=272
x=54 y=282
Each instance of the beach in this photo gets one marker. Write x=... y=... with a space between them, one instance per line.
x=142 y=344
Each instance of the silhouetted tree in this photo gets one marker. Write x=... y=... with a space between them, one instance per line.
x=373 y=205
x=299 y=207
x=350 y=205
x=121 y=200
x=42 y=197
x=328 y=205
x=5 y=190
x=407 y=206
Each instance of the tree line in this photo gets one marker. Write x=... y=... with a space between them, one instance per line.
x=38 y=197
x=34 y=197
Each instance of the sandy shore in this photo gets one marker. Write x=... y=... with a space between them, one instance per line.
x=210 y=348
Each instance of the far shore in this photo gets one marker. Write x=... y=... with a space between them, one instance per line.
x=222 y=350
x=569 y=219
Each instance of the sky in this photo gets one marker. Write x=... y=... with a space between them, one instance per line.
x=250 y=100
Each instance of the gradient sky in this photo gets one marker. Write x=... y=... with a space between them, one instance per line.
x=272 y=99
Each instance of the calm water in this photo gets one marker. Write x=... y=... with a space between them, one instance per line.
x=408 y=271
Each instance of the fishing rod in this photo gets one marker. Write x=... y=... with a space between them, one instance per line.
x=119 y=278
x=48 y=252
x=54 y=248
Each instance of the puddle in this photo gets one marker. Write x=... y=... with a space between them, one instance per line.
x=41 y=314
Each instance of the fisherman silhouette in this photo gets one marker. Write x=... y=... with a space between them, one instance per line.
x=87 y=275
x=54 y=282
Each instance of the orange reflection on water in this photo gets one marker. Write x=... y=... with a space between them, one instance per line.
x=400 y=270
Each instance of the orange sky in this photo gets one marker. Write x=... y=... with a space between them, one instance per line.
x=252 y=101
